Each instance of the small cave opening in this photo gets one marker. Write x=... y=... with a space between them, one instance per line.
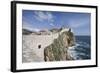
x=39 y=46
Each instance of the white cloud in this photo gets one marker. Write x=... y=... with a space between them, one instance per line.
x=36 y=29
x=41 y=16
x=44 y=16
x=78 y=22
x=29 y=26
x=51 y=24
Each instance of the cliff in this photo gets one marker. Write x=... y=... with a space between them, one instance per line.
x=58 y=50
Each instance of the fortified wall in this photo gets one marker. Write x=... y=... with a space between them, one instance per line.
x=34 y=44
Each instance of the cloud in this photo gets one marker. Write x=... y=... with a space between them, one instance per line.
x=44 y=16
x=29 y=26
x=26 y=25
x=79 y=22
x=41 y=16
x=51 y=24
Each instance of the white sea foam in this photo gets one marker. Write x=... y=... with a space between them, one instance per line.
x=78 y=50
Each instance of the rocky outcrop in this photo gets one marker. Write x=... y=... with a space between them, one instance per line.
x=58 y=50
x=26 y=32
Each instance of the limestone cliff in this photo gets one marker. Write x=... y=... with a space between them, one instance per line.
x=58 y=50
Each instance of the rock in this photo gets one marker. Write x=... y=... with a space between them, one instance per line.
x=57 y=51
x=26 y=32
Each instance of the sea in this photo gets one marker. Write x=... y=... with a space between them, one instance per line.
x=82 y=48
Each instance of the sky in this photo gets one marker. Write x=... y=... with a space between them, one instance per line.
x=38 y=20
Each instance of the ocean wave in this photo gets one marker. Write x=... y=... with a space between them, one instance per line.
x=81 y=50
